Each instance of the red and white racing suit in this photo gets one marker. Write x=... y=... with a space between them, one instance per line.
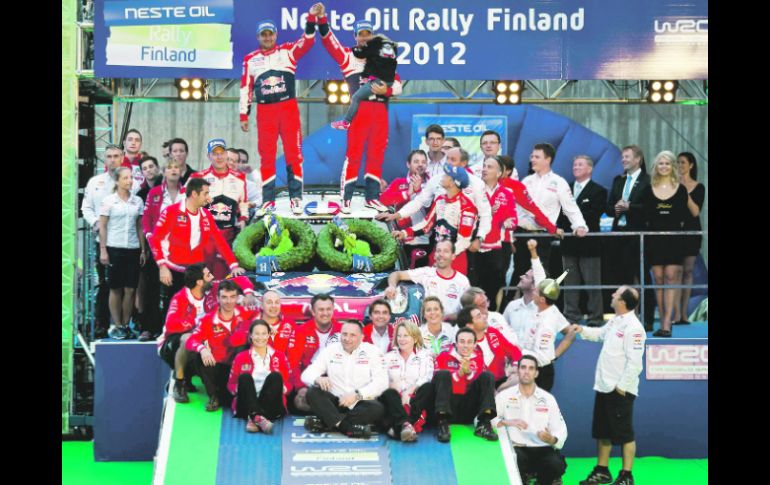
x=369 y=127
x=397 y=194
x=268 y=76
x=229 y=206
x=451 y=218
x=170 y=241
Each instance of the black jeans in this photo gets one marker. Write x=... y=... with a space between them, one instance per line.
x=168 y=292
x=151 y=316
x=269 y=402
x=545 y=377
x=327 y=406
x=215 y=379
x=478 y=400
x=395 y=413
x=491 y=267
x=544 y=461
x=101 y=307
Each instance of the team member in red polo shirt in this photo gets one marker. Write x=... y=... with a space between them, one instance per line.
x=309 y=339
x=217 y=338
x=258 y=381
x=464 y=389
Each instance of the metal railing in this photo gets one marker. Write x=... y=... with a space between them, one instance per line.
x=641 y=286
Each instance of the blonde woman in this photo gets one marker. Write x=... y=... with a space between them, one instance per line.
x=410 y=392
x=665 y=206
x=437 y=334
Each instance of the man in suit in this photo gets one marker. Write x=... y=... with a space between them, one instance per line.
x=625 y=204
x=582 y=257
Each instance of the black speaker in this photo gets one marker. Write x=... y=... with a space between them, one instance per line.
x=86 y=116
x=87 y=146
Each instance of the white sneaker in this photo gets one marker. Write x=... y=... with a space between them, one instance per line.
x=345 y=208
x=266 y=207
x=296 y=206
x=376 y=205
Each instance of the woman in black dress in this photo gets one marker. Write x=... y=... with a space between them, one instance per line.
x=665 y=207
x=688 y=176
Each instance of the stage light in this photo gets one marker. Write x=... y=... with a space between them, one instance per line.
x=336 y=92
x=661 y=91
x=195 y=88
x=507 y=92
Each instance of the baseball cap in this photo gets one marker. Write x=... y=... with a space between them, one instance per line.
x=459 y=175
x=362 y=25
x=216 y=142
x=266 y=25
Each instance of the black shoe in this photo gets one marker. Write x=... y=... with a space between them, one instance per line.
x=189 y=386
x=648 y=327
x=443 y=431
x=179 y=393
x=145 y=336
x=597 y=477
x=624 y=479
x=681 y=322
x=314 y=424
x=359 y=431
x=662 y=333
x=484 y=430
x=213 y=404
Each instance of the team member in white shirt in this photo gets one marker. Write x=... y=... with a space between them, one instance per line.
x=475 y=191
x=542 y=335
x=97 y=188
x=410 y=370
x=552 y=195
x=616 y=385
x=437 y=335
x=434 y=138
x=346 y=378
x=441 y=281
x=123 y=249
x=533 y=425
x=520 y=313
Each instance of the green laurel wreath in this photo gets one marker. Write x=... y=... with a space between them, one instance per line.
x=383 y=246
x=252 y=238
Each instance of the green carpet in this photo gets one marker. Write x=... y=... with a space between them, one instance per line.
x=648 y=470
x=194 y=449
x=79 y=468
x=468 y=451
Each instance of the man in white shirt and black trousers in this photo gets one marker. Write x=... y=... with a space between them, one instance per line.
x=552 y=194
x=344 y=382
x=616 y=385
x=533 y=425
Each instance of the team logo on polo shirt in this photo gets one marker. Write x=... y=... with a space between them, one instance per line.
x=181 y=218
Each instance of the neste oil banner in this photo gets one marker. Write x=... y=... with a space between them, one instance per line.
x=438 y=39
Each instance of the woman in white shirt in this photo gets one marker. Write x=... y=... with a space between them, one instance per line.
x=410 y=392
x=258 y=380
x=122 y=249
x=437 y=335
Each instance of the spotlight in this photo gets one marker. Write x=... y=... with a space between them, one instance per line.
x=661 y=91
x=507 y=92
x=195 y=88
x=336 y=92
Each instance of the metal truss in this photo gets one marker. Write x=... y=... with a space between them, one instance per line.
x=441 y=91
